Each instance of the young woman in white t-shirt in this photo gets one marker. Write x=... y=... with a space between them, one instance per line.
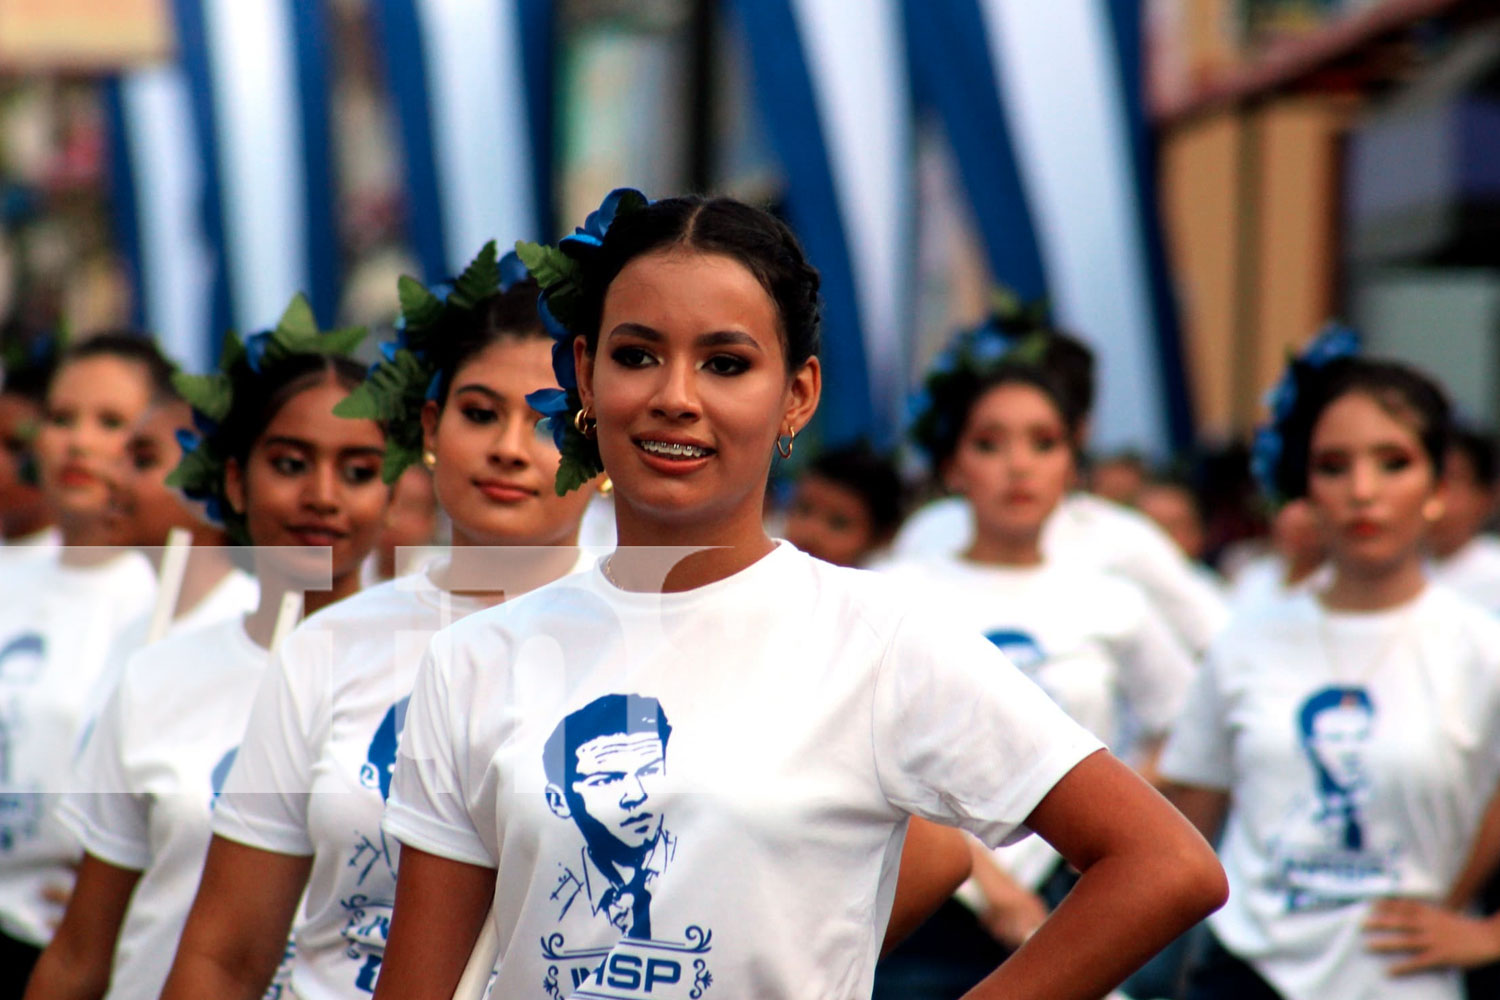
x=59 y=614
x=300 y=811
x=283 y=474
x=1346 y=740
x=1002 y=431
x=689 y=771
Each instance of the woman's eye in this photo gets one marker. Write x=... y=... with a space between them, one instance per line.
x=288 y=465
x=1333 y=465
x=112 y=421
x=358 y=474
x=726 y=364
x=1046 y=443
x=60 y=418
x=631 y=357
x=479 y=414
x=984 y=445
x=1396 y=463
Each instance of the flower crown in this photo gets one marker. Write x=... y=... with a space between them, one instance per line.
x=1331 y=344
x=205 y=453
x=409 y=372
x=1015 y=333
x=558 y=270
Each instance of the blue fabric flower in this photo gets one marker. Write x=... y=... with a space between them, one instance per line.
x=434 y=386
x=591 y=233
x=555 y=409
x=1332 y=343
x=187 y=440
x=1265 y=456
x=512 y=271
x=388 y=350
x=256 y=346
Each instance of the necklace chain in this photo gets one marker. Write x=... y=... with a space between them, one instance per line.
x=1360 y=677
x=604 y=568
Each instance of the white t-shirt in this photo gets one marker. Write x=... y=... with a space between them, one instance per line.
x=1088 y=639
x=326 y=722
x=1473 y=571
x=1359 y=751
x=147 y=779
x=1098 y=534
x=56 y=626
x=712 y=787
x=1262 y=581
x=233 y=597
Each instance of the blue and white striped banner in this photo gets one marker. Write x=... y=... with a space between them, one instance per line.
x=471 y=80
x=831 y=77
x=1059 y=75
x=156 y=188
x=223 y=177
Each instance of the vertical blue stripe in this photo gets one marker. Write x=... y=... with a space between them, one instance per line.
x=399 y=30
x=312 y=54
x=789 y=109
x=192 y=42
x=952 y=68
x=125 y=210
x=1125 y=25
x=538 y=32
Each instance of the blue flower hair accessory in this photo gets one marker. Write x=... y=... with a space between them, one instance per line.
x=205 y=455
x=409 y=372
x=1268 y=446
x=558 y=270
x=1015 y=333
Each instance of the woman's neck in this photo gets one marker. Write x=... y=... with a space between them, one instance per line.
x=669 y=557
x=1356 y=588
x=995 y=548
x=493 y=573
x=206 y=569
x=260 y=624
x=88 y=541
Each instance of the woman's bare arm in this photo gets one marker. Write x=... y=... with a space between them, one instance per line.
x=76 y=964
x=441 y=907
x=236 y=931
x=1146 y=875
x=934 y=863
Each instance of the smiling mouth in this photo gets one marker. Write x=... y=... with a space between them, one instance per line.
x=673 y=450
x=317 y=536
x=640 y=819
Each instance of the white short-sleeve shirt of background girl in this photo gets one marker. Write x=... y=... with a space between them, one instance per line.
x=1361 y=749
x=314 y=769
x=147 y=779
x=57 y=623
x=1090 y=640
x=709 y=788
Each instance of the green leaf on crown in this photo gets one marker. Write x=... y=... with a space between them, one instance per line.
x=210 y=395
x=548 y=265
x=398 y=456
x=480 y=279
x=297 y=323
x=342 y=341
x=419 y=307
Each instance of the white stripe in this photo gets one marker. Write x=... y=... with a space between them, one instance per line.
x=260 y=155
x=858 y=69
x=1058 y=82
x=176 y=261
x=477 y=103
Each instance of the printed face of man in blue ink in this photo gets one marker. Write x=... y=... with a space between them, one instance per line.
x=616 y=777
x=1338 y=741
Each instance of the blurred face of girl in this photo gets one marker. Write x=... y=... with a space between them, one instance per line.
x=92 y=405
x=1370 y=483
x=1013 y=462
x=313 y=479
x=690 y=387
x=495 y=469
x=150 y=506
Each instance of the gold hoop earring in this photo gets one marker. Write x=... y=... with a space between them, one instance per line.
x=584 y=422
x=791 y=439
x=429 y=459
x=606 y=486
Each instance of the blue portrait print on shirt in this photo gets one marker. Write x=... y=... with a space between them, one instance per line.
x=1019 y=647
x=606 y=767
x=380 y=758
x=22 y=658
x=1334 y=726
